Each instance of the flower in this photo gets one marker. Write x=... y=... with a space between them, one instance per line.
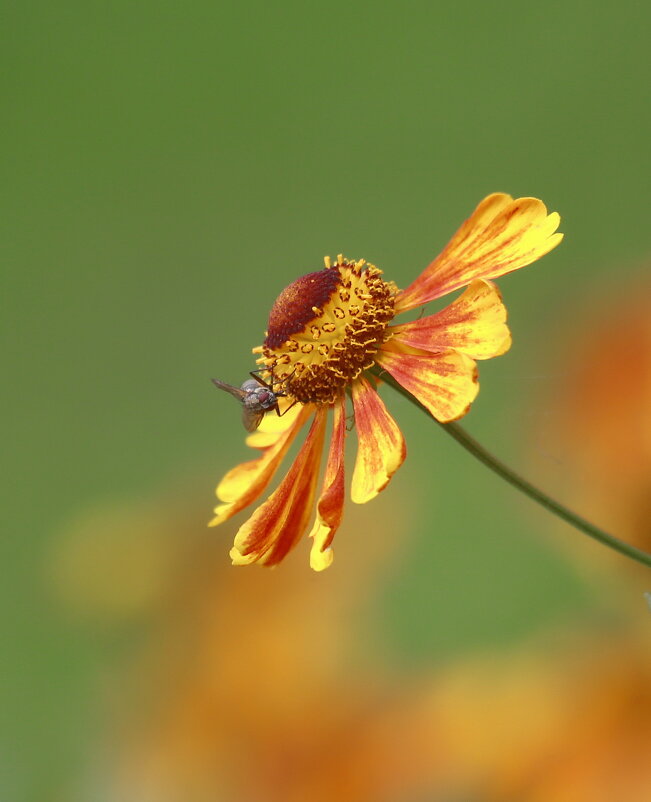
x=597 y=418
x=329 y=327
x=565 y=718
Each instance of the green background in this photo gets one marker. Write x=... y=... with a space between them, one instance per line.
x=170 y=167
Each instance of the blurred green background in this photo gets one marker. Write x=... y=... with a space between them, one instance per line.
x=170 y=167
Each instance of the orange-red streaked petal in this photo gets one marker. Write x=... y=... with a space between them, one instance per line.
x=329 y=508
x=381 y=449
x=501 y=235
x=277 y=525
x=445 y=383
x=245 y=482
x=475 y=324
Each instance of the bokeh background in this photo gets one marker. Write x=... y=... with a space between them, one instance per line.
x=168 y=168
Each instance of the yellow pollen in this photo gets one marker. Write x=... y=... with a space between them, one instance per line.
x=349 y=334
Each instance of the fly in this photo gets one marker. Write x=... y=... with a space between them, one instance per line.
x=257 y=398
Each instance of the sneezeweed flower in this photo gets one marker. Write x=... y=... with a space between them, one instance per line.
x=329 y=328
x=598 y=418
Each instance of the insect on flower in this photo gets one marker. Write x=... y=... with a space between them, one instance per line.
x=331 y=332
x=257 y=397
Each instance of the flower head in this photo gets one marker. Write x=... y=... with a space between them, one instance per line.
x=326 y=328
x=331 y=326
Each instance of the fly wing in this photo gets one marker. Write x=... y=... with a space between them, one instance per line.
x=251 y=418
x=235 y=391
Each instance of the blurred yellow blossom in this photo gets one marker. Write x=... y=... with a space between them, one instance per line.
x=566 y=721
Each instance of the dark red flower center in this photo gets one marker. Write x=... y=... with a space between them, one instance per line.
x=294 y=307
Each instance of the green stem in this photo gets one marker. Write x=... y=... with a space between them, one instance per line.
x=478 y=451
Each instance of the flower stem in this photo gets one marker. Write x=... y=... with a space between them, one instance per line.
x=471 y=445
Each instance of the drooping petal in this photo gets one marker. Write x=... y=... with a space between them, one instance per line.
x=245 y=482
x=501 y=235
x=381 y=449
x=445 y=383
x=329 y=508
x=277 y=525
x=475 y=324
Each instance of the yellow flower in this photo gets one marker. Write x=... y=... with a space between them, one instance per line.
x=330 y=326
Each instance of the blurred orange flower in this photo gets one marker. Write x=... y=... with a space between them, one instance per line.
x=570 y=721
x=328 y=327
x=599 y=418
x=566 y=722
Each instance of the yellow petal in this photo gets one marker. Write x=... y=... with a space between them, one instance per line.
x=329 y=508
x=272 y=426
x=474 y=324
x=445 y=383
x=277 y=525
x=381 y=449
x=245 y=482
x=501 y=235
